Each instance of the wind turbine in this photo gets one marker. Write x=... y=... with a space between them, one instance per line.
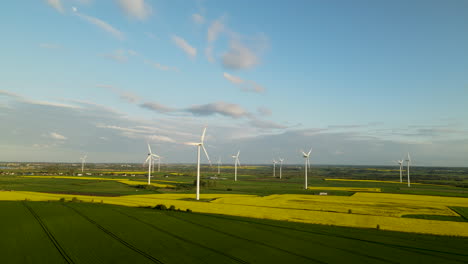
x=219 y=163
x=150 y=162
x=408 y=160
x=83 y=161
x=307 y=164
x=236 y=162
x=401 y=169
x=281 y=167
x=274 y=168
x=200 y=145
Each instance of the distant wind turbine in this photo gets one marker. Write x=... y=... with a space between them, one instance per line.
x=307 y=164
x=83 y=161
x=200 y=145
x=274 y=168
x=236 y=162
x=408 y=160
x=219 y=164
x=401 y=169
x=150 y=162
x=281 y=167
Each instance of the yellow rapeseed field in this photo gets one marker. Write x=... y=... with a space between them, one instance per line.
x=348 y=189
x=368 y=209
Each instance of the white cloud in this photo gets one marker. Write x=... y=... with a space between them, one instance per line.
x=136 y=8
x=55 y=135
x=233 y=79
x=239 y=57
x=157 y=107
x=57 y=4
x=181 y=43
x=246 y=86
x=214 y=30
x=222 y=108
x=101 y=24
x=198 y=19
x=161 y=138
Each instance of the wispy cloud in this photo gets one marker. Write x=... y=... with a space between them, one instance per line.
x=157 y=107
x=216 y=28
x=198 y=19
x=101 y=24
x=239 y=57
x=221 y=108
x=184 y=45
x=159 y=138
x=233 y=79
x=138 y=9
x=246 y=86
x=57 y=136
x=57 y=5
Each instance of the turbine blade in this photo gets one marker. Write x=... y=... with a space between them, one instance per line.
x=149 y=148
x=206 y=153
x=192 y=143
x=303 y=153
x=203 y=135
x=238 y=153
x=238 y=162
x=147 y=159
x=308 y=153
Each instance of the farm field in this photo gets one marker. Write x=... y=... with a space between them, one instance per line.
x=365 y=210
x=116 y=234
x=356 y=208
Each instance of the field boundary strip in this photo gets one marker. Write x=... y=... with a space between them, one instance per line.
x=49 y=234
x=182 y=239
x=114 y=236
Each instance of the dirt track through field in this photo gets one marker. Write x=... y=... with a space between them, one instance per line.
x=49 y=234
x=324 y=233
x=114 y=236
x=183 y=239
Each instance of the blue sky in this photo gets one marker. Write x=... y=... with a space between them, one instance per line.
x=360 y=82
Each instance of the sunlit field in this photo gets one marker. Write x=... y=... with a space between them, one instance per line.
x=116 y=209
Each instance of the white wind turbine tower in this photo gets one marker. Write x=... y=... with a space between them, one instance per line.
x=408 y=160
x=219 y=164
x=83 y=161
x=150 y=162
x=236 y=162
x=281 y=167
x=200 y=145
x=307 y=164
x=274 y=168
x=401 y=170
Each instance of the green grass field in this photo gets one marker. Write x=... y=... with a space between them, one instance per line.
x=55 y=232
